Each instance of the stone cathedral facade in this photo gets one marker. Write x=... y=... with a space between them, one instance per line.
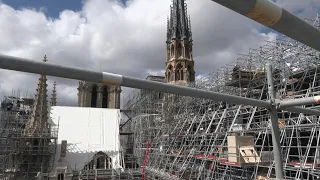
x=98 y=95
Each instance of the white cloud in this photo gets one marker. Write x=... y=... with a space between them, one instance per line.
x=306 y=8
x=129 y=40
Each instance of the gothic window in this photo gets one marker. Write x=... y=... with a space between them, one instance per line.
x=105 y=97
x=172 y=50
x=170 y=74
x=179 y=50
x=168 y=52
x=190 y=52
x=189 y=73
x=94 y=95
x=60 y=176
x=179 y=72
x=187 y=51
x=99 y=163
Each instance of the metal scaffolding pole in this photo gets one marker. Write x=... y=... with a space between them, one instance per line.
x=300 y=102
x=301 y=110
x=274 y=126
x=273 y=16
x=25 y=65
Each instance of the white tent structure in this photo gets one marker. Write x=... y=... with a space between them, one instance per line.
x=92 y=130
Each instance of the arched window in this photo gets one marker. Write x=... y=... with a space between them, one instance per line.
x=179 y=50
x=60 y=176
x=189 y=74
x=170 y=74
x=100 y=162
x=172 y=50
x=94 y=96
x=179 y=72
x=105 y=97
x=187 y=52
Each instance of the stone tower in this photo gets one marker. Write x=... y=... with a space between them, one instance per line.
x=98 y=95
x=179 y=62
x=54 y=95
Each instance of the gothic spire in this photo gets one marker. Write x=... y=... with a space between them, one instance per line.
x=39 y=117
x=54 y=95
x=179 y=24
x=179 y=60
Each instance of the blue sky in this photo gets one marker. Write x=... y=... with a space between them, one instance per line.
x=52 y=8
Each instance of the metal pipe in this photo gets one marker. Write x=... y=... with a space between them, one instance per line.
x=192 y=92
x=300 y=102
x=274 y=126
x=30 y=66
x=25 y=65
x=273 y=16
x=302 y=110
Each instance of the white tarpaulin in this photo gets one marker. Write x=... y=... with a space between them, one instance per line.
x=91 y=129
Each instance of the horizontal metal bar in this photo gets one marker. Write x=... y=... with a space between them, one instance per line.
x=301 y=110
x=300 y=102
x=30 y=66
x=192 y=92
x=273 y=16
x=24 y=65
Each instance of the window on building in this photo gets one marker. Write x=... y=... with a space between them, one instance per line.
x=60 y=176
x=189 y=73
x=160 y=95
x=171 y=74
x=105 y=98
x=94 y=96
x=99 y=163
x=187 y=52
x=179 y=50
x=179 y=72
x=172 y=50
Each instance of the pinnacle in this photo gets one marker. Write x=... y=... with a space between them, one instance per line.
x=39 y=116
x=54 y=95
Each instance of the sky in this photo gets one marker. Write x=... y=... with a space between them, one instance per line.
x=124 y=37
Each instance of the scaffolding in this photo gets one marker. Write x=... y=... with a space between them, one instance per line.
x=132 y=170
x=28 y=138
x=193 y=138
x=14 y=149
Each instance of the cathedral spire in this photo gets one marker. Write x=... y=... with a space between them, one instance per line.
x=179 y=62
x=179 y=23
x=54 y=95
x=39 y=116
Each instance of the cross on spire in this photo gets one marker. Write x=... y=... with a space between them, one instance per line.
x=45 y=58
